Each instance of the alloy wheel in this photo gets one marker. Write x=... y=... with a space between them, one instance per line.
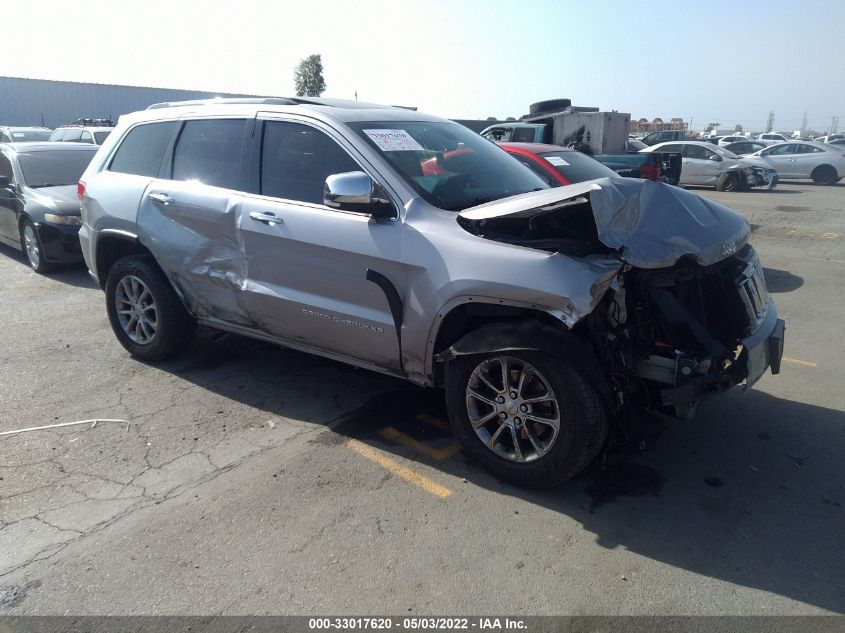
x=30 y=241
x=512 y=408
x=136 y=309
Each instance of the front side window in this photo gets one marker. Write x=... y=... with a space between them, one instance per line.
x=100 y=137
x=142 y=149
x=808 y=149
x=210 y=151
x=696 y=151
x=54 y=168
x=296 y=159
x=447 y=164
x=57 y=135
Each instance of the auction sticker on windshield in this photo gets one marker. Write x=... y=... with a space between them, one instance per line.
x=394 y=140
x=557 y=161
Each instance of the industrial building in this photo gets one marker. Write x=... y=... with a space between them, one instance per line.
x=48 y=103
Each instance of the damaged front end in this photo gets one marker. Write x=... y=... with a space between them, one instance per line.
x=687 y=315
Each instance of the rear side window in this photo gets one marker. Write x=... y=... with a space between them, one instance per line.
x=86 y=137
x=142 y=149
x=296 y=159
x=210 y=151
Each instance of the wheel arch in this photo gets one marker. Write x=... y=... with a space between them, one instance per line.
x=112 y=246
x=477 y=325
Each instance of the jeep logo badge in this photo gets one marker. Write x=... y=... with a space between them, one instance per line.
x=728 y=248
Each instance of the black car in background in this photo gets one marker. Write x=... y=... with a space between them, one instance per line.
x=39 y=210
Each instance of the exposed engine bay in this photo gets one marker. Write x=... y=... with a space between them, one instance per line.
x=687 y=316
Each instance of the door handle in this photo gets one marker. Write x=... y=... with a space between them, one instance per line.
x=266 y=218
x=161 y=198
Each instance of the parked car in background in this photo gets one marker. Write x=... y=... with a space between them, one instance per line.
x=823 y=164
x=838 y=143
x=12 y=134
x=39 y=209
x=661 y=137
x=633 y=145
x=706 y=164
x=557 y=165
x=93 y=131
x=772 y=137
x=548 y=315
x=515 y=132
x=727 y=140
x=828 y=138
x=713 y=140
x=743 y=148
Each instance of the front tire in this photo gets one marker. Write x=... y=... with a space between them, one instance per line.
x=32 y=249
x=529 y=418
x=145 y=312
x=824 y=175
x=731 y=183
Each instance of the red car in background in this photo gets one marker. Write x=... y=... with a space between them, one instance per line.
x=557 y=165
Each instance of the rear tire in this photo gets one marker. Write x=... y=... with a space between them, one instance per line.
x=145 y=312
x=825 y=175
x=582 y=420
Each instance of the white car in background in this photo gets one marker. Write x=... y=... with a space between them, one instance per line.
x=727 y=140
x=709 y=165
x=772 y=137
x=821 y=163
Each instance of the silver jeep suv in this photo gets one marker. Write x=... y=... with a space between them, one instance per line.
x=405 y=243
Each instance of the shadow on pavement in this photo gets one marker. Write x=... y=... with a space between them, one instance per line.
x=70 y=274
x=778 y=281
x=749 y=492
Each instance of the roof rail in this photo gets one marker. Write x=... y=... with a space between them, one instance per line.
x=227 y=100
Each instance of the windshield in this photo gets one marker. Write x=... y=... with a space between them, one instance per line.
x=447 y=164
x=54 y=168
x=27 y=136
x=722 y=151
x=100 y=137
x=577 y=167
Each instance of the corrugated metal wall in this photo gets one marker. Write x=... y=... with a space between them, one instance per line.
x=54 y=103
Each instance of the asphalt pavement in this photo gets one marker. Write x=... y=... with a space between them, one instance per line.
x=243 y=478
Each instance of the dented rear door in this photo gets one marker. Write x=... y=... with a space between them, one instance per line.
x=190 y=216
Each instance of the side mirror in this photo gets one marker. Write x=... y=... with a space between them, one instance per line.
x=356 y=191
x=716 y=157
x=5 y=183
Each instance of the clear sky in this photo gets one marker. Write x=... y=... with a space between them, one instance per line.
x=729 y=62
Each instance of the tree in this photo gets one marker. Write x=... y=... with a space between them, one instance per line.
x=308 y=77
x=738 y=128
x=771 y=122
x=710 y=127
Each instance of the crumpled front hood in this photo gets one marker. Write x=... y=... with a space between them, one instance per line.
x=652 y=224
x=755 y=161
x=62 y=199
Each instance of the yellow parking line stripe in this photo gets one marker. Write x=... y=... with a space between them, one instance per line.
x=435 y=422
x=798 y=361
x=398 y=469
x=439 y=454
